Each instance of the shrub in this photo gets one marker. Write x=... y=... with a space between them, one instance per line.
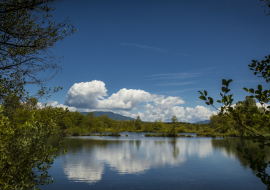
x=182 y=135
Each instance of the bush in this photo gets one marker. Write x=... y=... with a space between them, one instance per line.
x=181 y=130
x=116 y=134
x=150 y=135
x=24 y=157
x=200 y=134
x=182 y=135
x=172 y=135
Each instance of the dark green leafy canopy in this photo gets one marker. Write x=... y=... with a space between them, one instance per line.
x=26 y=35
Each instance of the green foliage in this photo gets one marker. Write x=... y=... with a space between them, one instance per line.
x=24 y=159
x=150 y=135
x=182 y=135
x=138 y=123
x=26 y=36
x=74 y=124
x=27 y=33
x=174 y=119
x=251 y=122
x=181 y=129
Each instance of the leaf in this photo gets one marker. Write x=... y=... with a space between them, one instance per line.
x=211 y=101
x=245 y=89
x=223 y=81
x=228 y=82
x=202 y=97
x=260 y=87
x=205 y=93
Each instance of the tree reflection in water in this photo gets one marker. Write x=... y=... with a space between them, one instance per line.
x=89 y=158
x=228 y=147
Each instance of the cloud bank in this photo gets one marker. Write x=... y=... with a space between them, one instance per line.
x=92 y=96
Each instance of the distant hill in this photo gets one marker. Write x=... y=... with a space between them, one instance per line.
x=110 y=115
x=203 y=122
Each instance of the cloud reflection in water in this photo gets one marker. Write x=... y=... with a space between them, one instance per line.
x=131 y=156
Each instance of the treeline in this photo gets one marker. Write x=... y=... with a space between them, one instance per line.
x=74 y=123
x=248 y=112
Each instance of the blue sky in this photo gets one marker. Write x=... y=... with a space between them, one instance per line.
x=150 y=58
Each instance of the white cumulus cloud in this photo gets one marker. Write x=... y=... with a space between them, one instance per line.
x=86 y=94
x=152 y=113
x=92 y=96
x=126 y=99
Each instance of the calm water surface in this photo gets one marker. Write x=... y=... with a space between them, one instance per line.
x=138 y=162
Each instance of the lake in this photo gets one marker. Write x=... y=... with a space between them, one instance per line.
x=138 y=162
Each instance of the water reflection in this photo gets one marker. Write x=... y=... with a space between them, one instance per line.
x=87 y=157
x=228 y=146
x=81 y=168
x=136 y=161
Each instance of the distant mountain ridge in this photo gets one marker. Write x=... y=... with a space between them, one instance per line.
x=204 y=122
x=121 y=117
x=110 y=115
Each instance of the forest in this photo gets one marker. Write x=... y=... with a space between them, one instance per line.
x=74 y=123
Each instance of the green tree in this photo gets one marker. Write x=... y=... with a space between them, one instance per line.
x=253 y=121
x=24 y=157
x=138 y=123
x=26 y=36
x=248 y=119
x=246 y=104
x=174 y=119
x=222 y=124
x=173 y=132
